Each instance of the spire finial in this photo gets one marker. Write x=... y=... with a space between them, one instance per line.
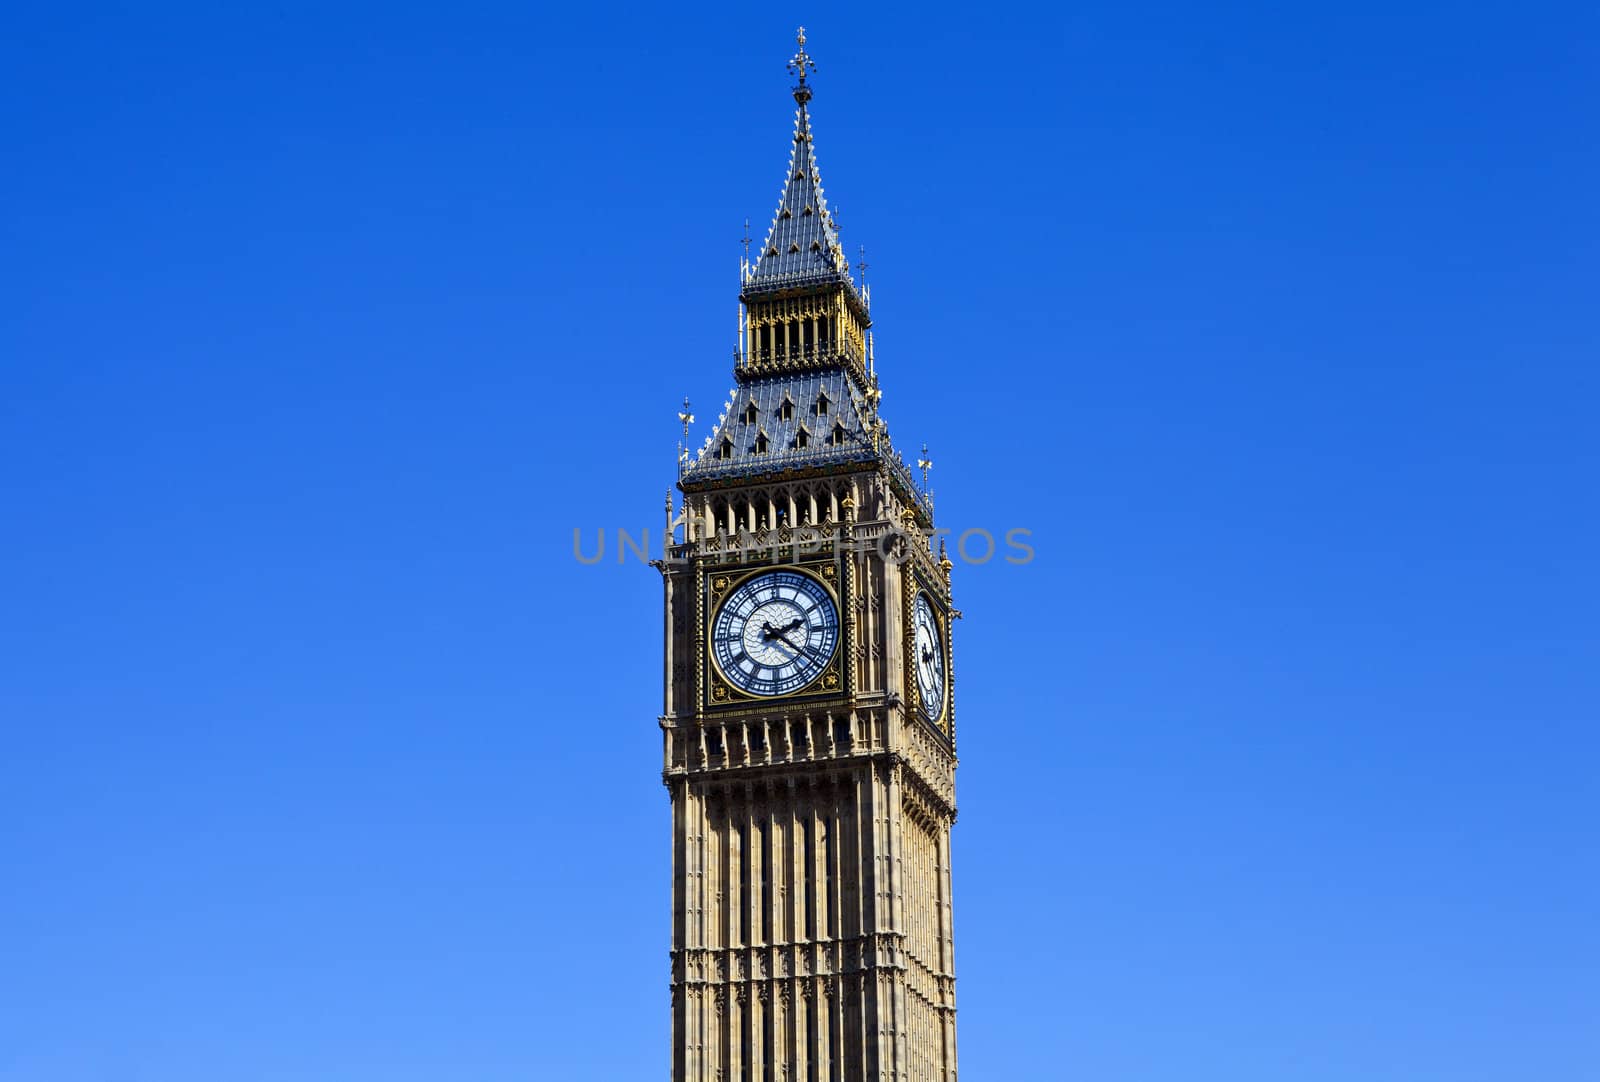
x=798 y=65
x=683 y=446
x=925 y=464
x=686 y=417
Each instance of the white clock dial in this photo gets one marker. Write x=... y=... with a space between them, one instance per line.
x=928 y=646
x=775 y=633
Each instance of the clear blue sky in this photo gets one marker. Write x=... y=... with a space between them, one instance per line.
x=324 y=326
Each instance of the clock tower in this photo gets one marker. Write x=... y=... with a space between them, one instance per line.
x=809 y=723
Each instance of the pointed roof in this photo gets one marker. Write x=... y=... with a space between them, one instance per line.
x=794 y=420
x=785 y=453
x=846 y=431
x=802 y=244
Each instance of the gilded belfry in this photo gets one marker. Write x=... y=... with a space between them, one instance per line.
x=808 y=728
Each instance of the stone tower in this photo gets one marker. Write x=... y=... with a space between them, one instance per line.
x=808 y=730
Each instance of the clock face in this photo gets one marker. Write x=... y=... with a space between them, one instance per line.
x=928 y=645
x=775 y=633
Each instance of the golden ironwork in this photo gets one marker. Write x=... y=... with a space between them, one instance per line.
x=800 y=61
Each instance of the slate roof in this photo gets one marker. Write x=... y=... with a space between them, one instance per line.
x=783 y=455
x=802 y=244
x=845 y=409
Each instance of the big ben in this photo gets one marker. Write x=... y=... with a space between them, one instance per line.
x=809 y=716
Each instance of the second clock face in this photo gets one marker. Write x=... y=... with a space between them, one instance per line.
x=928 y=645
x=775 y=633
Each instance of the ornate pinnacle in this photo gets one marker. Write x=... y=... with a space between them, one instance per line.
x=800 y=61
x=798 y=65
x=925 y=464
x=683 y=446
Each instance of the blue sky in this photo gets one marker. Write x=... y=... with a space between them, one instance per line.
x=326 y=326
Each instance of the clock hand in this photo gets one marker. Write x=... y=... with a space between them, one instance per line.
x=768 y=632
x=797 y=650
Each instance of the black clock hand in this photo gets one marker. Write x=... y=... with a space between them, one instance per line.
x=798 y=650
x=768 y=632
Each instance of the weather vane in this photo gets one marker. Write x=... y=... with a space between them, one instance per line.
x=801 y=61
x=687 y=418
x=862 y=265
x=925 y=464
x=745 y=240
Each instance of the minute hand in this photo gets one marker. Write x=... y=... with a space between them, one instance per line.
x=799 y=650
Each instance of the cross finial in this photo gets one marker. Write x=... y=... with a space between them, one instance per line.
x=686 y=417
x=745 y=240
x=862 y=265
x=800 y=61
x=925 y=464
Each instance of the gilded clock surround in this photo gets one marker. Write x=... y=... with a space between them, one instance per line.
x=719 y=581
x=943 y=721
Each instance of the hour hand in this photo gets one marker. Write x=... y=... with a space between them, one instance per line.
x=769 y=632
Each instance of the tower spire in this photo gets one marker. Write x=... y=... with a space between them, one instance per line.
x=802 y=245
